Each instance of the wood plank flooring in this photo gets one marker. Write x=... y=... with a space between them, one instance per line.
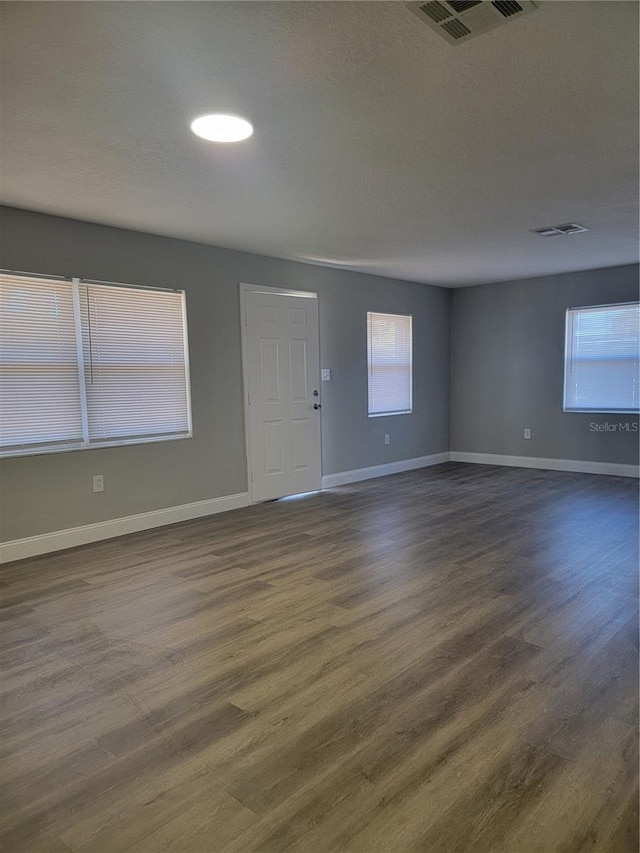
x=444 y=660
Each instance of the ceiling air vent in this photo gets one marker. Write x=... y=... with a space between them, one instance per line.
x=560 y=230
x=460 y=20
x=456 y=29
x=571 y=228
x=547 y=232
x=507 y=8
x=462 y=5
x=436 y=11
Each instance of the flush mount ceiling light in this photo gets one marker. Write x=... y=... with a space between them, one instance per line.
x=218 y=127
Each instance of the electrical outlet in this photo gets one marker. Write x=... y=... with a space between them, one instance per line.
x=527 y=432
x=98 y=483
x=386 y=438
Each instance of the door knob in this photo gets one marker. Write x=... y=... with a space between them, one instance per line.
x=317 y=405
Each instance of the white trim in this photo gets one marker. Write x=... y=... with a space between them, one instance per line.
x=580 y=466
x=82 y=379
x=277 y=291
x=340 y=479
x=187 y=364
x=32 y=546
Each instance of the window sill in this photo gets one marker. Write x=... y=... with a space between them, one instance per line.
x=68 y=448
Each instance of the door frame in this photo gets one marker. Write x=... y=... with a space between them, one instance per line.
x=274 y=291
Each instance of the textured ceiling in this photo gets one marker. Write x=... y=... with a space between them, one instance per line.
x=377 y=145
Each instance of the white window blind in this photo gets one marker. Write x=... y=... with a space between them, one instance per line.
x=389 y=345
x=88 y=365
x=602 y=358
x=39 y=388
x=134 y=363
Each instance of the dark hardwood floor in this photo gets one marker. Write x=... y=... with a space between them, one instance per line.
x=444 y=660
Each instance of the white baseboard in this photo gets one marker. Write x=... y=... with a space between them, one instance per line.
x=580 y=466
x=32 y=546
x=344 y=477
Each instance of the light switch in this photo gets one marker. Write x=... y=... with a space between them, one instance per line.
x=326 y=374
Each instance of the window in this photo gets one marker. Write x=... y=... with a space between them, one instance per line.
x=601 y=359
x=84 y=364
x=389 y=346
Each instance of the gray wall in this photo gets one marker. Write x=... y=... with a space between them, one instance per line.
x=52 y=492
x=507 y=367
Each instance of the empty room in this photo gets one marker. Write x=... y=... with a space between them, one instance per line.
x=319 y=426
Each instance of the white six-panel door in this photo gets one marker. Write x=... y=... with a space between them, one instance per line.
x=282 y=375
